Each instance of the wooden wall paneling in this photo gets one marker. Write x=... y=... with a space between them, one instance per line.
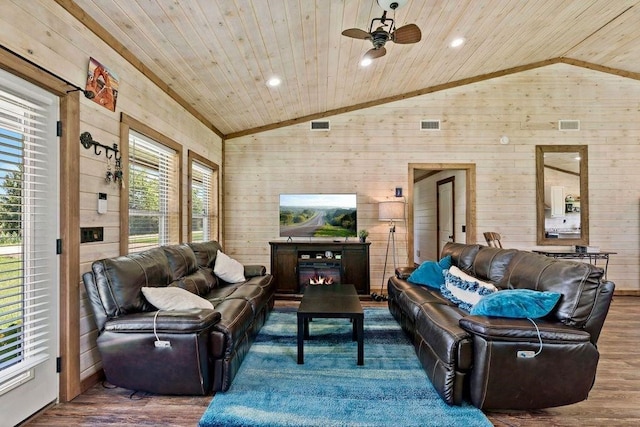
x=47 y=35
x=368 y=151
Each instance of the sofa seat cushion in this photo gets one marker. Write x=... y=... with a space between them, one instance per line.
x=236 y=318
x=438 y=325
x=255 y=295
x=578 y=282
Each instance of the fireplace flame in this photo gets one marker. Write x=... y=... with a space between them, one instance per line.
x=321 y=280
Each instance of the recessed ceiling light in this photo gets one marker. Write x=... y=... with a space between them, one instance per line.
x=457 y=42
x=274 y=81
x=366 y=62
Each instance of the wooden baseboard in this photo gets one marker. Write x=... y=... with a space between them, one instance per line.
x=626 y=293
x=91 y=380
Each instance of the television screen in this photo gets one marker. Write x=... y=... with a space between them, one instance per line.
x=318 y=215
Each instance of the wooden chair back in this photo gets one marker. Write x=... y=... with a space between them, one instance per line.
x=493 y=239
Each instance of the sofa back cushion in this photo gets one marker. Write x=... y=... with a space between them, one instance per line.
x=490 y=263
x=182 y=260
x=205 y=253
x=578 y=283
x=462 y=255
x=119 y=281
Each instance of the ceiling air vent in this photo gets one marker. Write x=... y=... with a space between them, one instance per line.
x=568 y=124
x=320 y=125
x=429 y=124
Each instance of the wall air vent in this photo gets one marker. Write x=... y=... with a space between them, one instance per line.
x=429 y=124
x=320 y=125
x=568 y=124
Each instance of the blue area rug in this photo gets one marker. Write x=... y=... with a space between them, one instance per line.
x=391 y=389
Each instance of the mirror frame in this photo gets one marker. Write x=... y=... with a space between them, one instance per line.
x=582 y=150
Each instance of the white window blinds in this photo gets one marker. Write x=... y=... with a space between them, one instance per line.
x=28 y=229
x=153 y=194
x=203 y=203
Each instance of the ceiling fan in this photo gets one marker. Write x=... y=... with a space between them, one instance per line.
x=385 y=31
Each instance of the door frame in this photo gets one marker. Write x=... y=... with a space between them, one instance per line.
x=69 y=262
x=470 y=197
x=452 y=180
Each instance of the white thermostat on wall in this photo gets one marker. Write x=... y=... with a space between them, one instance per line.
x=102 y=203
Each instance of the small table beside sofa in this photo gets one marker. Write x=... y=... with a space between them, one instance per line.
x=177 y=351
x=526 y=361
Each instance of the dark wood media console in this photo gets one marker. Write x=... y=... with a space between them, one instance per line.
x=293 y=263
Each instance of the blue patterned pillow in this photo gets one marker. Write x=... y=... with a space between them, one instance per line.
x=464 y=290
x=430 y=273
x=517 y=304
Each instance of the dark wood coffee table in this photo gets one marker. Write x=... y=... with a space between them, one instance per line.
x=331 y=301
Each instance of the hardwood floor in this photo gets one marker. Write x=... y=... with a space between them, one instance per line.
x=613 y=401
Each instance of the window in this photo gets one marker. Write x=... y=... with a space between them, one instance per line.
x=154 y=196
x=28 y=231
x=203 y=199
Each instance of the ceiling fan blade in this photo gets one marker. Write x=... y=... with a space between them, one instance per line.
x=356 y=33
x=375 y=53
x=406 y=34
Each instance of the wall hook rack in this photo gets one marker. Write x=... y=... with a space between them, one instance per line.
x=87 y=142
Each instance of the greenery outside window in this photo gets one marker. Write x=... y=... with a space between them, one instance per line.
x=203 y=199
x=154 y=196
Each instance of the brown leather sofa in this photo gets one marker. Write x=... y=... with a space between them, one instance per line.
x=206 y=347
x=477 y=358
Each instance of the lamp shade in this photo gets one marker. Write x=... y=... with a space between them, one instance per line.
x=391 y=211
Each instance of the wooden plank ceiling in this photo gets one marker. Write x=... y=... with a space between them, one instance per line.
x=216 y=56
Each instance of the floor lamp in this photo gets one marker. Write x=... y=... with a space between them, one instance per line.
x=391 y=211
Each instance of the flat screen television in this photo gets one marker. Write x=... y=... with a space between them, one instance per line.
x=318 y=215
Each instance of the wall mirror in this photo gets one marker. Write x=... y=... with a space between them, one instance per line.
x=562 y=195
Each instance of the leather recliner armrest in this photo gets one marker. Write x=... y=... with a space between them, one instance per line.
x=514 y=330
x=175 y=321
x=254 y=270
x=404 y=272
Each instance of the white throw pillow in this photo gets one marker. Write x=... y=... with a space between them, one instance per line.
x=463 y=289
x=174 y=298
x=228 y=269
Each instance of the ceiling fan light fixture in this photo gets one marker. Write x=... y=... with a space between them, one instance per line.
x=391 y=4
x=365 y=61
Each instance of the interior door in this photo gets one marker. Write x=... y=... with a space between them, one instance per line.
x=446 y=210
x=29 y=270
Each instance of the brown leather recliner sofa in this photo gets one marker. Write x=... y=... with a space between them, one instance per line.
x=478 y=358
x=206 y=347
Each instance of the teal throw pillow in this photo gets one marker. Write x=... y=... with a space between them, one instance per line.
x=517 y=304
x=430 y=273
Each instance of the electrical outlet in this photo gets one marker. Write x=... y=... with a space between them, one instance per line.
x=91 y=234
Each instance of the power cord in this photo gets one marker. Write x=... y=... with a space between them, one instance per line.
x=159 y=343
x=528 y=354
